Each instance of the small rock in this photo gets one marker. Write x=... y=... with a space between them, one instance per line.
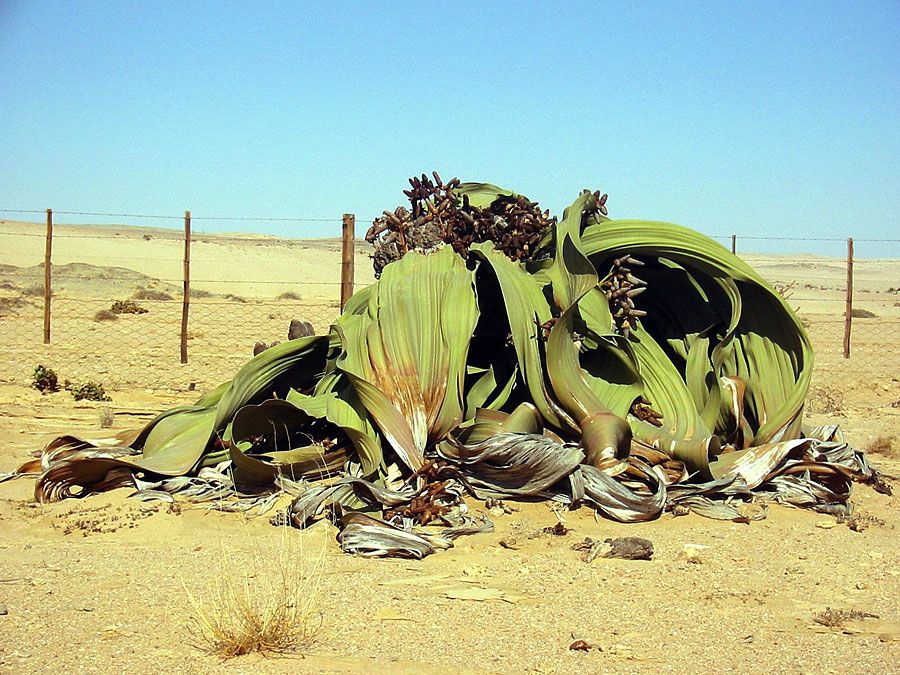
x=3 y=610
x=691 y=553
x=629 y=548
x=510 y=543
x=558 y=530
x=856 y=524
x=825 y=524
x=497 y=508
x=626 y=548
x=298 y=329
x=583 y=646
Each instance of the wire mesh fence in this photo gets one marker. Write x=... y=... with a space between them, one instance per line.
x=816 y=286
x=127 y=350
x=247 y=288
x=117 y=299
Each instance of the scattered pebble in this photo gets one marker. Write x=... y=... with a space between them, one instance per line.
x=691 y=553
x=3 y=610
x=626 y=548
x=583 y=646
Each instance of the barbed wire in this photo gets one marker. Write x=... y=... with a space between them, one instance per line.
x=195 y=236
x=158 y=216
x=265 y=219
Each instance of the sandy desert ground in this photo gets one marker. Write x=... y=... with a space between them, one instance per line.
x=104 y=583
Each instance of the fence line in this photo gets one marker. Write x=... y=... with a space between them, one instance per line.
x=204 y=315
x=346 y=280
x=164 y=217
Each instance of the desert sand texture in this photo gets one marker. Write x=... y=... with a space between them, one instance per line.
x=106 y=583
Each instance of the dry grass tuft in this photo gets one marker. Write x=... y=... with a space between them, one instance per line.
x=8 y=305
x=151 y=294
x=836 y=618
x=268 y=606
x=34 y=290
x=107 y=419
x=858 y=313
x=886 y=446
x=105 y=315
x=825 y=400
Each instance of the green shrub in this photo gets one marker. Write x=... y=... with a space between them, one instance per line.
x=45 y=380
x=89 y=391
x=127 y=307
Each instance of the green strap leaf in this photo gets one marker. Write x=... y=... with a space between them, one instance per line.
x=406 y=356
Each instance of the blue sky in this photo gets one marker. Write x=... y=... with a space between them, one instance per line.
x=762 y=118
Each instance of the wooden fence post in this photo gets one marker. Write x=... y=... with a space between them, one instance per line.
x=848 y=314
x=187 y=286
x=48 y=292
x=348 y=252
x=734 y=244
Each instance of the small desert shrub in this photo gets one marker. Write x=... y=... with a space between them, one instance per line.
x=45 y=380
x=127 y=307
x=823 y=400
x=105 y=315
x=8 y=305
x=150 y=294
x=35 y=290
x=106 y=418
x=886 y=446
x=267 y=606
x=234 y=298
x=857 y=313
x=288 y=295
x=836 y=618
x=201 y=293
x=784 y=288
x=8 y=286
x=89 y=391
